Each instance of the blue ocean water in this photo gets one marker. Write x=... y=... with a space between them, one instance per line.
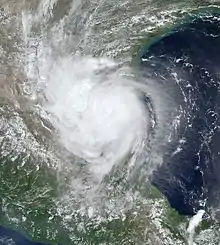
x=187 y=61
x=12 y=237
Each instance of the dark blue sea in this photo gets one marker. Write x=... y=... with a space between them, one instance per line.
x=12 y=237
x=187 y=61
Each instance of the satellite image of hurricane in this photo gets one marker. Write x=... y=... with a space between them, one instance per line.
x=109 y=122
